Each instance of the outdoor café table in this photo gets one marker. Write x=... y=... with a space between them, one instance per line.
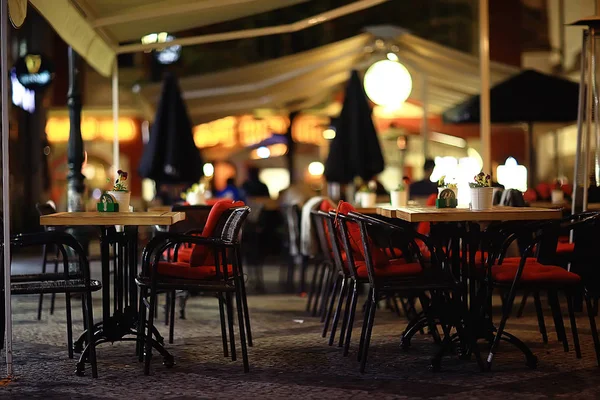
x=123 y=320
x=464 y=226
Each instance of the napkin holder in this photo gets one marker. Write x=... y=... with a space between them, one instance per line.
x=107 y=203
x=446 y=199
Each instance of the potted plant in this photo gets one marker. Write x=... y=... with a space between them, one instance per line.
x=557 y=195
x=442 y=185
x=367 y=196
x=482 y=192
x=399 y=195
x=120 y=191
x=195 y=195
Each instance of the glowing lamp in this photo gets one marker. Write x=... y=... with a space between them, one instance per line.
x=208 y=169
x=388 y=83
x=512 y=175
x=316 y=168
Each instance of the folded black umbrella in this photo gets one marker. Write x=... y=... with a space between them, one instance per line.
x=529 y=96
x=355 y=150
x=171 y=156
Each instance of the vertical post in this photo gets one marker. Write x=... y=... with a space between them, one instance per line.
x=589 y=117
x=291 y=153
x=115 y=112
x=6 y=182
x=425 y=120
x=75 y=155
x=581 y=114
x=484 y=65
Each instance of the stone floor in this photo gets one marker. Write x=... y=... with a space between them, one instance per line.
x=289 y=360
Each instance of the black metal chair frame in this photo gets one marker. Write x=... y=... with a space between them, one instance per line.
x=150 y=282
x=65 y=282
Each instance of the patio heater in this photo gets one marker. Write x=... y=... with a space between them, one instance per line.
x=588 y=128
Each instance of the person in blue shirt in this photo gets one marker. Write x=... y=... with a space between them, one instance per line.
x=424 y=187
x=232 y=192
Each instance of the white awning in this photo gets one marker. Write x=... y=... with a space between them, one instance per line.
x=306 y=79
x=100 y=29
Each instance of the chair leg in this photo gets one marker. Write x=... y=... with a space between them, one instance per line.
x=90 y=333
x=244 y=300
x=229 y=304
x=540 y=316
x=172 y=317
x=573 y=325
x=363 y=361
x=506 y=309
x=141 y=324
x=349 y=291
x=53 y=298
x=44 y=261
x=241 y=325
x=350 y=320
x=363 y=332
x=338 y=309
x=69 y=324
x=336 y=282
x=151 y=312
x=326 y=291
x=523 y=304
x=593 y=328
x=318 y=289
x=223 y=329
x=167 y=307
x=312 y=288
x=303 y=267
x=558 y=319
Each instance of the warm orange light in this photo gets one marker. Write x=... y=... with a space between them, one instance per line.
x=221 y=131
x=57 y=129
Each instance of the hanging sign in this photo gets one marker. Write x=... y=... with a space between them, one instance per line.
x=34 y=71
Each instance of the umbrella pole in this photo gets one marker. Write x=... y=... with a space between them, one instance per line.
x=115 y=112
x=484 y=65
x=5 y=184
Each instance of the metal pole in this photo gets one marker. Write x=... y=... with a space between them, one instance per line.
x=115 y=112
x=484 y=65
x=425 y=120
x=588 y=116
x=580 y=116
x=6 y=184
x=75 y=155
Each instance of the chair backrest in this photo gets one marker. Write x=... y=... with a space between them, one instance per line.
x=195 y=218
x=318 y=223
x=233 y=225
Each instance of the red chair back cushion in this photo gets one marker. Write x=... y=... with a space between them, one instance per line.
x=378 y=255
x=202 y=254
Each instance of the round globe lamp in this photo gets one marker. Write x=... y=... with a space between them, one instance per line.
x=388 y=83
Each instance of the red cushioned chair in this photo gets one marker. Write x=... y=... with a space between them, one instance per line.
x=533 y=276
x=223 y=276
x=408 y=277
x=198 y=256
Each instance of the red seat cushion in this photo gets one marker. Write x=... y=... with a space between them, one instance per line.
x=397 y=267
x=186 y=271
x=517 y=260
x=377 y=255
x=202 y=255
x=183 y=254
x=535 y=272
x=563 y=248
x=392 y=253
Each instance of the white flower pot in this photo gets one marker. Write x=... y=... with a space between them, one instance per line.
x=195 y=198
x=399 y=198
x=368 y=200
x=122 y=198
x=558 y=197
x=482 y=198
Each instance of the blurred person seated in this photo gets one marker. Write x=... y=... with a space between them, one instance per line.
x=424 y=188
x=232 y=192
x=254 y=187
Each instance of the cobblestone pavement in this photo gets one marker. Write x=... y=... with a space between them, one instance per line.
x=289 y=360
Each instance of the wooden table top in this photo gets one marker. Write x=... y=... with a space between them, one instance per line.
x=432 y=214
x=95 y=218
x=371 y=210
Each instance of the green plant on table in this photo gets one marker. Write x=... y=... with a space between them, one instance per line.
x=481 y=180
x=120 y=184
